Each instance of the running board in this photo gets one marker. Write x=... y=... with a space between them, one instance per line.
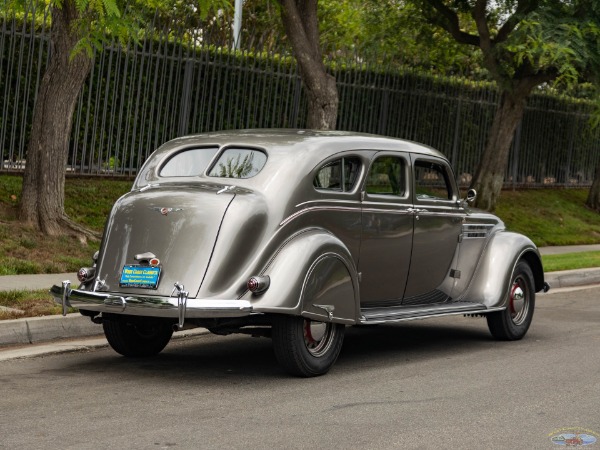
x=370 y=316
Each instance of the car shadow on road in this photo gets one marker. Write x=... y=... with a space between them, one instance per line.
x=216 y=359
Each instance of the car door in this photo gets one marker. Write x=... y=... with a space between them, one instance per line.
x=438 y=217
x=387 y=228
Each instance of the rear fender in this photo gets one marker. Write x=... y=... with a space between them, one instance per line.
x=491 y=281
x=312 y=275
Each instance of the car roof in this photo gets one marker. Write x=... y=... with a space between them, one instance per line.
x=302 y=149
x=280 y=140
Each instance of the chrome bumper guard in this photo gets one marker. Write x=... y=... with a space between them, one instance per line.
x=178 y=307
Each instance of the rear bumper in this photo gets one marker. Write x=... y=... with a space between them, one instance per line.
x=179 y=307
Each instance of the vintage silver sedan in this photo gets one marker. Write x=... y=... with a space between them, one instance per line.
x=294 y=235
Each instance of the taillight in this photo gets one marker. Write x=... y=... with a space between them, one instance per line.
x=258 y=284
x=85 y=274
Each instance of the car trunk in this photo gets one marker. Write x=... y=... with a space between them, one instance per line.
x=179 y=225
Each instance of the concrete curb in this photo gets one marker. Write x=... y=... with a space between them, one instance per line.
x=573 y=278
x=33 y=330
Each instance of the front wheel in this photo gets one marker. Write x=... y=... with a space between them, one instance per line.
x=512 y=323
x=137 y=337
x=305 y=347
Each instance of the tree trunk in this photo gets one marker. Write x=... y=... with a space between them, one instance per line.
x=302 y=29
x=593 y=200
x=43 y=195
x=489 y=176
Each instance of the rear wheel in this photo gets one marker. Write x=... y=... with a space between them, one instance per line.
x=137 y=337
x=512 y=323
x=305 y=347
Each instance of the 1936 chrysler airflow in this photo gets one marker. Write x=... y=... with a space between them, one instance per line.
x=294 y=235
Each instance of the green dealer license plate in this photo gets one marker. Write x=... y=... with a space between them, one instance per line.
x=134 y=276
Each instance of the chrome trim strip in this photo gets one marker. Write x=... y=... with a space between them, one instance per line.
x=408 y=210
x=151 y=306
x=330 y=201
x=399 y=318
x=396 y=204
x=387 y=211
x=420 y=212
x=316 y=208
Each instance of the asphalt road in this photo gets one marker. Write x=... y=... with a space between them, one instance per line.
x=440 y=383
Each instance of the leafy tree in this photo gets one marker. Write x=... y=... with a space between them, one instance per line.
x=357 y=29
x=524 y=44
x=79 y=27
x=42 y=200
x=395 y=30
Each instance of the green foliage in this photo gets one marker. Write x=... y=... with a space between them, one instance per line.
x=555 y=38
x=399 y=31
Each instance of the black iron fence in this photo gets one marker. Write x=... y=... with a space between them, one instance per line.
x=140 y=96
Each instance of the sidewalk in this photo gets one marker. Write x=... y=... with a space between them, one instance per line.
x=34 y=282
x=38 y=330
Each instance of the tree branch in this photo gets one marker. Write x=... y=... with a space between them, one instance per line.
x=448 y=20
x=525 y=84
x=489 y=59
x=524 y=7
x=483 y=29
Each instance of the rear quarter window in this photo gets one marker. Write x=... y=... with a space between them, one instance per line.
x=338 y=175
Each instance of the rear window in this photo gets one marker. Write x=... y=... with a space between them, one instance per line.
x=238 y=163
x=189 y=163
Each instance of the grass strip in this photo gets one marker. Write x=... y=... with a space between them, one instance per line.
x=571 y=261
x=28 y=304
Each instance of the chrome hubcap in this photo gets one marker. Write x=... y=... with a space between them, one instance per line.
x=518 y=303
x=317 y=336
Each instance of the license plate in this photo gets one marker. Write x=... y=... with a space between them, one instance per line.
x=134 y=276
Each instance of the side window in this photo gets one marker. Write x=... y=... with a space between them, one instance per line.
x=432 y=181
x=387 y=176
x=338 y=175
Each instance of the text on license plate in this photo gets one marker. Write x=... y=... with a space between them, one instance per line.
x=135 y=276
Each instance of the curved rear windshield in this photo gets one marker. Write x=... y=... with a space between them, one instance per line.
x=189 y=163
x=238 y=163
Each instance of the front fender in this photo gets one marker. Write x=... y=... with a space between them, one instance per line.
x=491 y=281
x=312 y=268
